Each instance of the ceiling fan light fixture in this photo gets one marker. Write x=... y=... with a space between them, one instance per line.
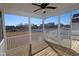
x=43 y=10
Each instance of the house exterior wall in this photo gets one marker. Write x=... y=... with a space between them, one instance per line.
x=2 y=40
x=75 y=26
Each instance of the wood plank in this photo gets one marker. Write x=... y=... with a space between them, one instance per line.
x=47 y=52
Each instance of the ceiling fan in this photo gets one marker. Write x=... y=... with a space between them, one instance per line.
x=43 y=6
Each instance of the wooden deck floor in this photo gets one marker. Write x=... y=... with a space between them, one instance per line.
x=47 y=52
x=41 y=48
x=63 y=51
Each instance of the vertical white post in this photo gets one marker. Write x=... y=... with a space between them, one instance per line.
x=29 y=30
x=71 y=30
x=30 y=41
x=59 y=30
x=43 y=16
x=44 y=35
x=4 y=31
x=43 y=26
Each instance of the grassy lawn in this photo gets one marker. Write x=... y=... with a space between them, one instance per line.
x=9 y=34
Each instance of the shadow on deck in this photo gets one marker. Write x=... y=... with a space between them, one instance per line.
x=62 y=51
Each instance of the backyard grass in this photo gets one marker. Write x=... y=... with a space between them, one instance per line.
x=9 y=34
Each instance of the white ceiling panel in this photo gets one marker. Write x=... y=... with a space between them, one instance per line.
x=26 y=9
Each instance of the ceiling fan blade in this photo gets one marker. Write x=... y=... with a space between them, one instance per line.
x=38 y=9
x=51 y=7
x=44 y=4
x=36 y=4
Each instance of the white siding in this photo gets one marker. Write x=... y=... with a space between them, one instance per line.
x=75 y=26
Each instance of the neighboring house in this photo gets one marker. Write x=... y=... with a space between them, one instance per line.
x=75 y=18
x=75 y=24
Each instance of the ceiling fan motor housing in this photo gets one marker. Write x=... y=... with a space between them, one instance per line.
x=43 y=6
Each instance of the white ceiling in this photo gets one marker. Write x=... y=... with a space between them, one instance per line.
x=26 y=9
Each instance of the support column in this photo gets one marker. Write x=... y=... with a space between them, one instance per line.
x=30 y=41
x=59 y=30
x=43 y=28
x=43 y=19
x=71 y=30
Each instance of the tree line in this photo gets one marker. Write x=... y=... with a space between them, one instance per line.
x=25 y=27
